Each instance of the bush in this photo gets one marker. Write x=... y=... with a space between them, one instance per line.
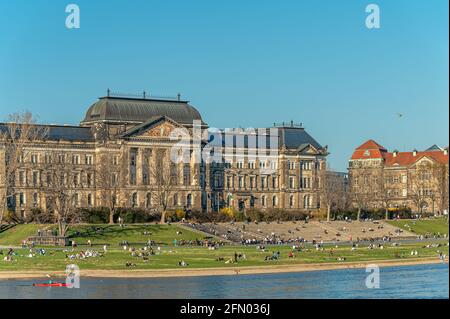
x=36 y=215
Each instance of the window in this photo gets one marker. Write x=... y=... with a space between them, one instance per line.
x=175 y=199
x=76 y=179
x=61 y=158
x=134 y=200
x=48 y=158
x=251 y=164
x=114 y=179
x=275 y=182
x=229 y=182
x=273 y=165
x=115 y=160
x=89 y=200
x=22 y=178
x=263 y=164
x=291 y=164
x=75 y=159
x=35 y=178
x=240 y=164
x=252 y=181
x=35 y=200
x=274 y=201
x=291 y=201
x=241 y=182
x=89 y=160
x=21 y=199
x=76 y=200
x=404 y=179
x=148 y=200
x=291 y=182
x=263 y=182
x=34 y=158
x=90 y=179
x=404 y=192
x=263 y=201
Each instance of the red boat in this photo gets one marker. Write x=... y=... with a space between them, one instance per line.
x=54 y=284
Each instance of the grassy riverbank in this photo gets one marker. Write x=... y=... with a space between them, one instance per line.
x=201 y=257
x=423 y=227
x=111 y=235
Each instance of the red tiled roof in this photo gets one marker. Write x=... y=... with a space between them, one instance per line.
x=371 y=145
x=373 y=150
x=367 y=154
x=407 y=158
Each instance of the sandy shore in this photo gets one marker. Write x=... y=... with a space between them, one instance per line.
x=186 y=272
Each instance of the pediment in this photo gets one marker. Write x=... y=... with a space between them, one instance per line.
x=162 y=127
x=308 y=149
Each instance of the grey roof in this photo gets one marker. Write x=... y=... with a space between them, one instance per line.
x=291 y=137
x=65 y=133
x=294 y=137
x=119 y=109
x=433 y=148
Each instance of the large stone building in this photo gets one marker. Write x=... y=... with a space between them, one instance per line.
x=119 y=151
x=382 y=179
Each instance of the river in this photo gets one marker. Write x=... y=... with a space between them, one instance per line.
x=418 y=281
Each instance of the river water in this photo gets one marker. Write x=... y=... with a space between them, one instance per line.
x=419 y=281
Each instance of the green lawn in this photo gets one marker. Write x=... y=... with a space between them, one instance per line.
x=16 y=234
x=106 y=234
x=201 y=257
x=134 y=234
x=422 y=227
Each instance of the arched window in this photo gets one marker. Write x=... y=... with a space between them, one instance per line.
x=291 y=201
x=134 y=200
x=89 y=200
x=306 y=201
x=263 y=201
x=175 y=199
x=252 y=201
x=189 y=200
x=148 y=200
x=274 y=201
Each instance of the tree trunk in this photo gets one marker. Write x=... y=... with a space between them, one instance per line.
x=386 y=214
x=358 y=217
x=111 y=216
x=163 y=217
x=328 y=213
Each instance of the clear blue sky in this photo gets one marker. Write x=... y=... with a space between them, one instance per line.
x=241 y=63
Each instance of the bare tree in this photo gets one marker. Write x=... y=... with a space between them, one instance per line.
x=332 y=190
x=420 y=185
x=384 y=191
x=165 y=175
x=61 y=186
x=16 y=137
x=440 y=175
x=111 y=174
x=361 y=192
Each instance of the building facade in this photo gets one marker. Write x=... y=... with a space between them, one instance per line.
x=382 y=179
x=120 y=151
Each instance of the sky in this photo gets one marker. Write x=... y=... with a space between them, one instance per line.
x=240 y=63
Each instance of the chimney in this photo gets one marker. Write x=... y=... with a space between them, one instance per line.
x=179 y=96
x=445 y=151
x=414 y=152
x=292 y=123
x=395 y=153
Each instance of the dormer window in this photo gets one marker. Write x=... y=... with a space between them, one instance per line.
x=414 y=152
x=367 y=153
